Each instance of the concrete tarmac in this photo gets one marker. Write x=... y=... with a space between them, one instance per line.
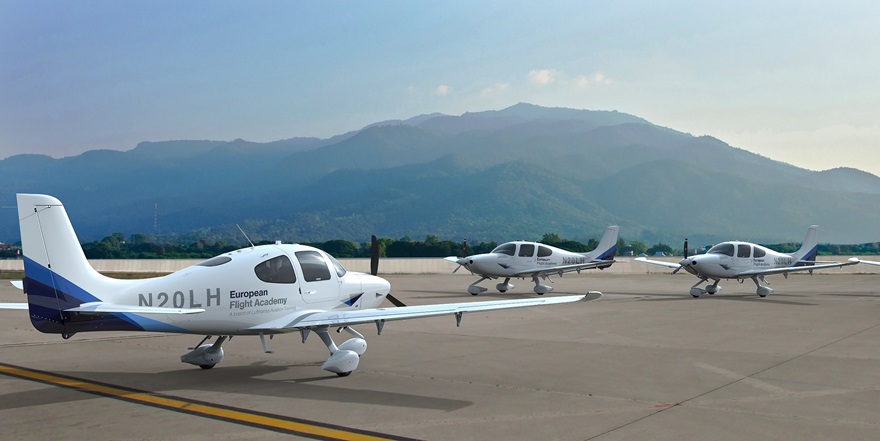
x=646 y=361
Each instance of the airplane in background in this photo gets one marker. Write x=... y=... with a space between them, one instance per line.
x=521 y=259
x=741 y=260
x=258 y=291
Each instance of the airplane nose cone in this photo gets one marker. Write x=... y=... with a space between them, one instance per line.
x=686 y=262
x=375 y=284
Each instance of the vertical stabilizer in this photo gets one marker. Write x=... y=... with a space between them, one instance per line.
x=48 y=239
x=809 y=249
x=607 y=247
x=57 y=275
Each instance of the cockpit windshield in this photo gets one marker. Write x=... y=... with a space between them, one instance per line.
x=508 y=248
x=722 y=248
x=340 y=270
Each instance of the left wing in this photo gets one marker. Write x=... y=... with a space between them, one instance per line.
x=307 y=319
x=792 y=269
x=563 y=268
x=658 y=262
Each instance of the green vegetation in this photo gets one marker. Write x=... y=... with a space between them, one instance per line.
x=142 y=247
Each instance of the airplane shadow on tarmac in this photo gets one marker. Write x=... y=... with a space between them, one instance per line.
x=775 y=298
x=235 y=380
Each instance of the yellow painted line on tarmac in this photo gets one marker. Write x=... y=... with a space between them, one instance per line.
x=277 y=423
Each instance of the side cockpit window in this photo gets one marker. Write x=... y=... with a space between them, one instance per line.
x=544 y=251
x=759 y=252
x=743 y=250
x=526 y=250
x=276 y=270
x=313 y=265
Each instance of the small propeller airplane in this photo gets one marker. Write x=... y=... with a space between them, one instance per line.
x=741 y=260
x=521 y=259
x=258 y=291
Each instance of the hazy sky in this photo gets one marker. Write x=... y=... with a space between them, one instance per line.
x=794 y=81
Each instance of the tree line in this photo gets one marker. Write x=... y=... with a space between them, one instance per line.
x=140 y=246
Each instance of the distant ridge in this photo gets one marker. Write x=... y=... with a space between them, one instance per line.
x=517 y=172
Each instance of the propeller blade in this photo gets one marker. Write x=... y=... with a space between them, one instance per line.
x=394 y=300
x=456 y=269
x=374 y=256
x=685 y=247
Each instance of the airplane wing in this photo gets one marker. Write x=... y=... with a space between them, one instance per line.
x=869 y=262
x=101 y=308
x=658 y=262
x=307 y=319
x=792 y=269
x=13 y=306
x=563 y=268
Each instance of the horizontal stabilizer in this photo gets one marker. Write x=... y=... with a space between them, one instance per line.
x=17 y=283
x=13 y=306
x=103 y=308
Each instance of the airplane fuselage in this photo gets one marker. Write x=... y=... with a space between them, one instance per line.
x=511 y=258
x=727 y=259
x=237 y=290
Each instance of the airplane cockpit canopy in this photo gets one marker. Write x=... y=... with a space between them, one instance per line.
x=722 y=248
x=507 y=248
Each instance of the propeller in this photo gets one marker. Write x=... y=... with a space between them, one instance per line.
x=374 y=256
x=685 y=256
x=463 y=261
x=374 y=268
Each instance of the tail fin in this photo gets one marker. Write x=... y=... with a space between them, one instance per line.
x=808 y=250
x=57 y=275
x=607 y=247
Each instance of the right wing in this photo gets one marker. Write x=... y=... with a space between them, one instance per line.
x=869 y=262
x=314 y=318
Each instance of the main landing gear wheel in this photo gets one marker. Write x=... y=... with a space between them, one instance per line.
x=207 y=366
x=343 y=374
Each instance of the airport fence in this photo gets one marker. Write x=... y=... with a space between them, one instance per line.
x=404 y=266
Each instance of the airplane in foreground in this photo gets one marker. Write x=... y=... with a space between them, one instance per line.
x=258 y=291
x=535 y=260
x=742 y=260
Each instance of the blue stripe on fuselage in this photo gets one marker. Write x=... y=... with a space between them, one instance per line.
x=608 y=255
x=49 y=294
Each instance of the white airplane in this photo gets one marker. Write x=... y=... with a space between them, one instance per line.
x=261 y=290
x=741 y=260
x=535 y=260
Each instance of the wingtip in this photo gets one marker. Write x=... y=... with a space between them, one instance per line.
x=592 y=295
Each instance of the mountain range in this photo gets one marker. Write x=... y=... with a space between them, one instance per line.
x=515 y=173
